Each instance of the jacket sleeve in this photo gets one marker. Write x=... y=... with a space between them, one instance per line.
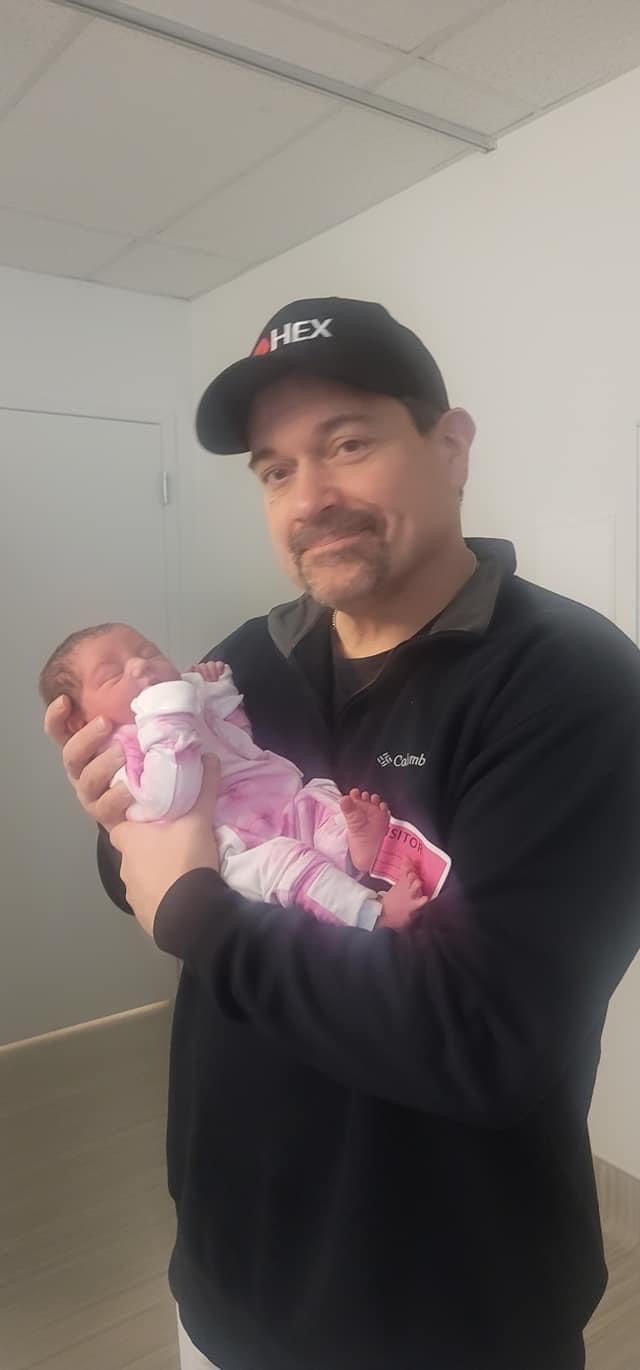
x=109 y=861
x=477 y=1013
x=481 y=1010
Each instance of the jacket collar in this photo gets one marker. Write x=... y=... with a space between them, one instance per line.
x=470 y=612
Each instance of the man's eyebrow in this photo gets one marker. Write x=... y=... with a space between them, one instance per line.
x=323 y=429
x=263 y=454
x=328 y=426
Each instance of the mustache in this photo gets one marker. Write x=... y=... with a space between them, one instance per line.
x=336 y=523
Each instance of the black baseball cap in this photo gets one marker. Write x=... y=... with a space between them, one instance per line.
x=353 y=341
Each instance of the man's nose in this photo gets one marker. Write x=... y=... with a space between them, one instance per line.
x=313 y=492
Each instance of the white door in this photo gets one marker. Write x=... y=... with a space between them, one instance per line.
x=83 y=534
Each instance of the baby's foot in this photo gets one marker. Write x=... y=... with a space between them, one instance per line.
x=367 y=820
x=209 y=670
x=403 y=901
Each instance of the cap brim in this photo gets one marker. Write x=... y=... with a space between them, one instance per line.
x=223 y=412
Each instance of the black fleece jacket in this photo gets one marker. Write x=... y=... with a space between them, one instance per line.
x=377 y=1142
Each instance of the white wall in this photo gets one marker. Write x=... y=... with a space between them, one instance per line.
x=66 y=346
x=72 y=347
x=522 y=271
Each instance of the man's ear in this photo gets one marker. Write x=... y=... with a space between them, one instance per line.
x=457 y=430
x=458 y=427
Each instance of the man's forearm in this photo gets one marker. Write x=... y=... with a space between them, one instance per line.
x=421 y=1018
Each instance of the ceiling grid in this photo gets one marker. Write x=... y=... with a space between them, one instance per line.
x=170 y=164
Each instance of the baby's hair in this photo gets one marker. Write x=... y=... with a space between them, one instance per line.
x=57 y=676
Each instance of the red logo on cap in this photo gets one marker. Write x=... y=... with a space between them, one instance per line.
x=261 y=347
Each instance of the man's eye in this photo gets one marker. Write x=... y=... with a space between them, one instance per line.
x=351 y=446
x=274 y=475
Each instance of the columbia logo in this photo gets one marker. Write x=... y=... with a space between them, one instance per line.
x=409 y=759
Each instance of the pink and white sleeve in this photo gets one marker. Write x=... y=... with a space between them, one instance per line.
x=220 y=699
x=167 y=779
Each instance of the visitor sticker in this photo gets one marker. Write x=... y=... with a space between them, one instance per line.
x=401 y=843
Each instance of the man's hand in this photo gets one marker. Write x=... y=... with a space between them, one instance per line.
x=89 y=769
x=155 y=855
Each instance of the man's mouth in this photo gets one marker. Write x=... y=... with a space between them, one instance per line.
x=334 y=540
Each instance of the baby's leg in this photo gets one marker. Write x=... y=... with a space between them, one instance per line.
x=284 y=871
x=316 y=820
x=367 y=820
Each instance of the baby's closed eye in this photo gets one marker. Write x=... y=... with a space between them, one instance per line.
x=108 y=678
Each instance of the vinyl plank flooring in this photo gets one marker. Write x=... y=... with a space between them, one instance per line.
x=613 y=1337
x=86 y=1227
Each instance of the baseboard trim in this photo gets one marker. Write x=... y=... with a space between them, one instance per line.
x=619 y=1195
x=92 y=1025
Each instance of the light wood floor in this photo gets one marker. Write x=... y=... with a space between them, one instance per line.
x=86 y=1226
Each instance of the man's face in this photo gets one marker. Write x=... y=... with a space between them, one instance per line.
x=357 y=500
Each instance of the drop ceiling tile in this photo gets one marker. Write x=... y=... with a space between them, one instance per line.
x=403 y=24
x=32 y=31
x=325 y=177
x=438 y=91
x=543 y=50
x=60 y=249
x=127 y=131
x=290 y=37
x=161 y=270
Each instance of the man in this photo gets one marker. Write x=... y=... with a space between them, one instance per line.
x=377 y=1142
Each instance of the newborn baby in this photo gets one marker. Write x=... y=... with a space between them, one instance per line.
x=279 y=840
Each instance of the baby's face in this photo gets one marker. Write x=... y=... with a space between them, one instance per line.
x=113 y=668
